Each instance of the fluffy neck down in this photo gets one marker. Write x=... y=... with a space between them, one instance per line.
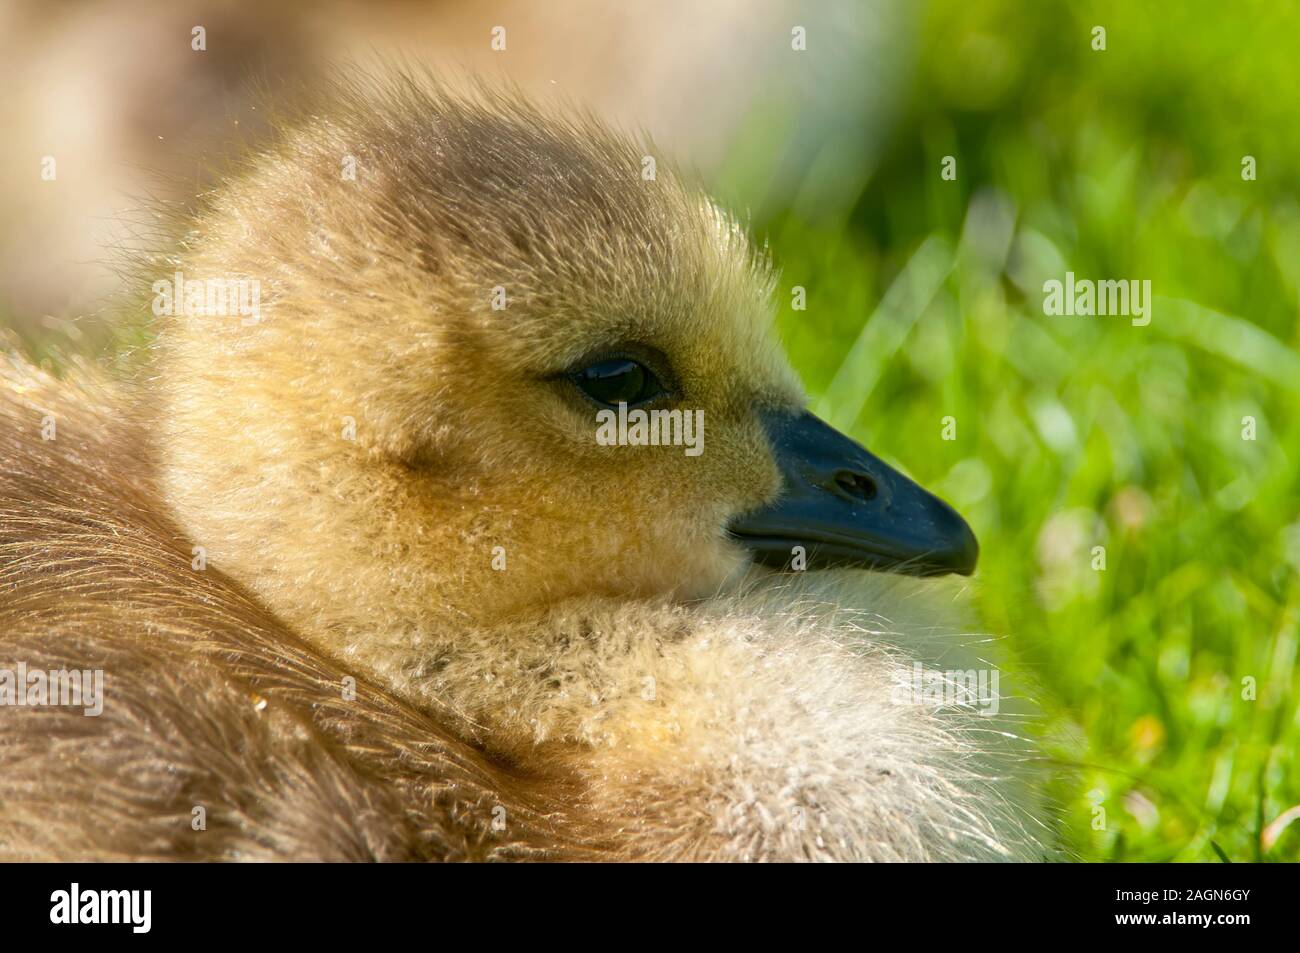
x=773 y=723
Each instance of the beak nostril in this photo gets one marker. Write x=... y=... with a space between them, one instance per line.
x=849 y=507
x=857 y=485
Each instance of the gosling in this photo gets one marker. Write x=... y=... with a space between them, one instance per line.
x=368 y=580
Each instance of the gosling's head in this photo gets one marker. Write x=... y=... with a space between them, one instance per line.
x=400 y=428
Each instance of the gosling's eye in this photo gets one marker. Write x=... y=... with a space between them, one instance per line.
x=618 y=380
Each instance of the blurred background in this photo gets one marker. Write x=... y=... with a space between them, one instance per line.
x=1169 y=676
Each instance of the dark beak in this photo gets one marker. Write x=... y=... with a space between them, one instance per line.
x=846 y=507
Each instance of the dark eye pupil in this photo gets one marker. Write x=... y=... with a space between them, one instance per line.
x=618 y=380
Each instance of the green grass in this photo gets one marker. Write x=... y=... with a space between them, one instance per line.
x=925 y=301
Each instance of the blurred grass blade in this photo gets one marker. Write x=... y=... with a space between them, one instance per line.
x=1230 y=338
x=1268 y=837
x=884 y=332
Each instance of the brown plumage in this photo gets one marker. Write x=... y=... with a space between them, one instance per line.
x=214 y=702
x=352 y=462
